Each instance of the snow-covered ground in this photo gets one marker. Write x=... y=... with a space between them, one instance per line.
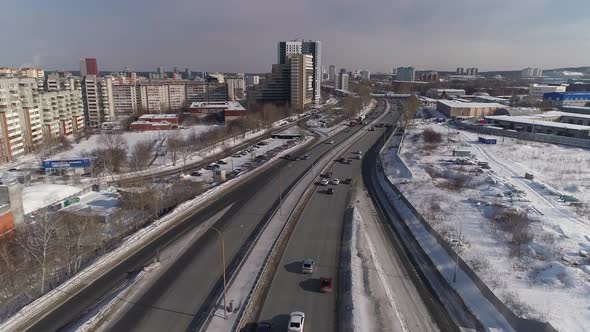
x=40 y=195
x=546 y=279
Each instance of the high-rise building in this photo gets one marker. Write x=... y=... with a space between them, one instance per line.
x=405 y=74
x=460 y=71
x=187 y=74
x=124 y=99
x=365 y=75
x=342 y=81
x=313 y=48
x=427 y=76
x=203 y=91
x=88 y=66
x=275 y=87
x=97 y=94
x=252 y=80
x=301 y=79
x=332 y=73
x=471 y=71
x=531 y=72
x=236 y=88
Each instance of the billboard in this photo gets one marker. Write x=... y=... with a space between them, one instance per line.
x=66 y=163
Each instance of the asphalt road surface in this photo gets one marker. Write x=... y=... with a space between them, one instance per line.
x=317 y=235
x=181 y=299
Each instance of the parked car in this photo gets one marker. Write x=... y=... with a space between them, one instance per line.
x=330 y=191
x=222 y=162
x=237 y=155
x=330 y=142
x=326 y=175
x=195 y=173
x=211 y=166
x=261 y=143
x=325 y=285
x=307 y=265
x=296 y=321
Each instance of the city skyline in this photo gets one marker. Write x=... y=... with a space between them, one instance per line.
x=233 y=36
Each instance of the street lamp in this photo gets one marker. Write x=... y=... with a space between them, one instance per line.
x=222 y=269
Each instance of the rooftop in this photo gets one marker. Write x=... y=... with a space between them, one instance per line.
x=456 y=103
x=533 y=121
x=158 y=116
x=227 y=105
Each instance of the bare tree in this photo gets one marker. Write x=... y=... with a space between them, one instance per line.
x=113 y=150
x=174 y=145
x=141 y=155
x=64 y=142
x=38 y=241
x=410 y=107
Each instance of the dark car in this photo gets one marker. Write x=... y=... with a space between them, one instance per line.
x=325 y=285
x=264 y=327
x=330 y=191
x=347 y=181
x=195 y=173
x=222 y=162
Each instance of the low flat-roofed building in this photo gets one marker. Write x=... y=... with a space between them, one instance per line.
x=230 y=109
x=576 y=109
x=538 y=126
x=169 y=118
x=440 y=93
x=454 y=108
x=560 y=99
x=148 y=125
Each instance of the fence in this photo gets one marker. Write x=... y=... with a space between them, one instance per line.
x=544 y=138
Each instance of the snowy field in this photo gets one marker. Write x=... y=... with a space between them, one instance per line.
x=538 y=268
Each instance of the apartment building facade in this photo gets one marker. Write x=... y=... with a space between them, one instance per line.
x=301 y=85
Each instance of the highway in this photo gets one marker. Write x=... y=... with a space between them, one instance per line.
x=317 y=235
x=183 y=296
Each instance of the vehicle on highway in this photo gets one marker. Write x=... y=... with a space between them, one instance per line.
x=307 y=265
x=211 y=166
x=305 y=157
x=359 y=152
x=330 y=142
x=237 y=155
x=296 y=321
x=262 y=143
x=324 y=182
x=348 y=161
x=335 y=181
x=347 y=181
x=330 y=191
x=325 y=285
x=222 y=162
x=372 y=129
x=195 y=173
x=340 y=160
x=264 y=327
x=358 y=156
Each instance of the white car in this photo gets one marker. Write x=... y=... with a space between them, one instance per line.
x=359 y=152
x=296 y=321
x=358 y=156
x=324 y=182
x=330 y=142
x=334 y=181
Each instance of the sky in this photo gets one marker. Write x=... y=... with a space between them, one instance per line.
x=242 y=35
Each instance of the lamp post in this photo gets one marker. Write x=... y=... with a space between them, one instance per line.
x=222 y=269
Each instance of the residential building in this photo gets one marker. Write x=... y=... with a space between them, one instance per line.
x=35 y=73
x=236 y=88
x=97 y=95
x=301 y=80
x=560 y=99
x=471 y=71
x=536 y=91
x=88 y=66
x=454 y=108
x=365 y=75
x=20 y=127
x=332 y=73
x=252 y=80
x=188 y=75
x=531 y=72
x=62 y=112
x=428 y=76
x=405 y=74
x=203 y=91
x=342 y=81
x=460 y=71
x=124 y=99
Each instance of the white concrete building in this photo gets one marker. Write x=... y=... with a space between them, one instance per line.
x=236 y=88
x=252 y=80
x=536 y=91
x=531 y=72
x=365 y=75
x=332 y=73
x=125 y=98
x=97 y=94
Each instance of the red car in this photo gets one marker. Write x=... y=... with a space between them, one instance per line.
x=325 y=285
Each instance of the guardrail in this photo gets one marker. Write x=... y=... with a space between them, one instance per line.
x=269 y=267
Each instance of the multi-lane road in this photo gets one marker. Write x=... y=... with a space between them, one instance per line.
x=182 y=297
x=318 y=235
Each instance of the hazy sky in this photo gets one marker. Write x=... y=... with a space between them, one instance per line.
x=241 y=35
